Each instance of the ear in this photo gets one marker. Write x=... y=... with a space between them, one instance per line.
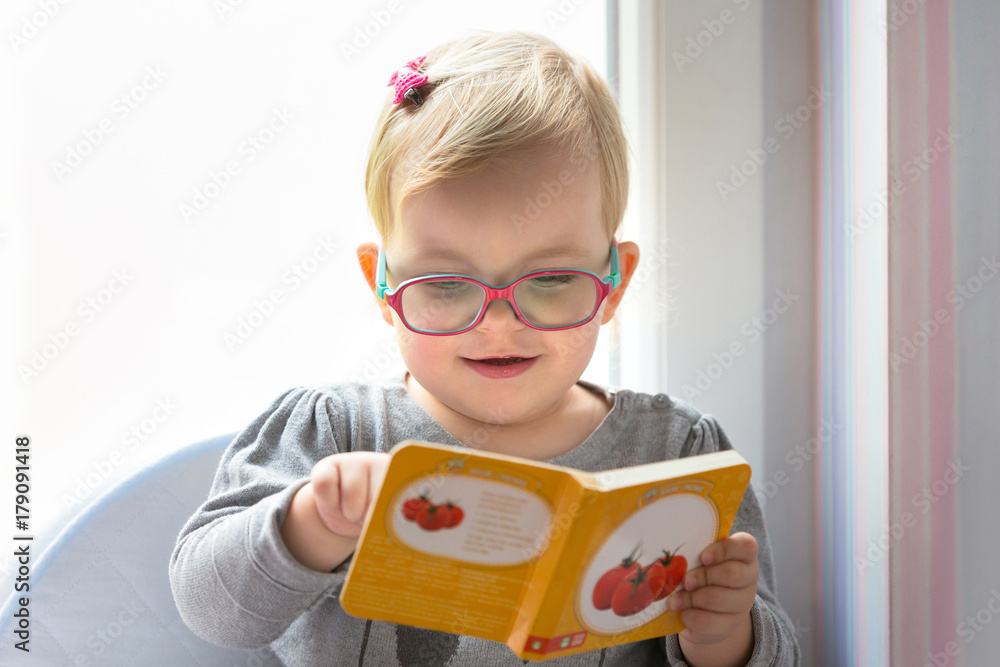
x=368 y=260
x=628 y=260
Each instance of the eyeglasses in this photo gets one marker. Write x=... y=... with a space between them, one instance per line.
x=450 y=304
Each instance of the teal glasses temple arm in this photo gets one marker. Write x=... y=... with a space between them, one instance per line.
x=380 y=285
x=616 y=274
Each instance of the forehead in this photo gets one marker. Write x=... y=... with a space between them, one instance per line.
x=527 y=205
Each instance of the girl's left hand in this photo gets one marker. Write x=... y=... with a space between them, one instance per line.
x=714 y=600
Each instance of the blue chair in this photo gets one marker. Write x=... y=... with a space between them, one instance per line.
x=100 y=593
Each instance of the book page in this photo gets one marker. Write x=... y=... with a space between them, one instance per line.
x=452 y=541
x=629 y=550
x=663 y=470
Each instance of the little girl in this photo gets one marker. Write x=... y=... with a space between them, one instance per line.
x=497 y=180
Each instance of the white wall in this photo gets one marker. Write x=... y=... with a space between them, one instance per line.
x=729 y=72
x=155 y=358
x=790 y=373
x=976 y=220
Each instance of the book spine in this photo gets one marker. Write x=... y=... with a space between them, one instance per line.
x=554 y=580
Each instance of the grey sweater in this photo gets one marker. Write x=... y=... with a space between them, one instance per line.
x=236 y=585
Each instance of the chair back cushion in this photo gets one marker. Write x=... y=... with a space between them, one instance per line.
x=100 y=593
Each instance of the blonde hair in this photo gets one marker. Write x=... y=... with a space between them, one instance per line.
x=489 y=97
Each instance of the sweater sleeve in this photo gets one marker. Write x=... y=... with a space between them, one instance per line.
x=234 y=581
x=775 y=643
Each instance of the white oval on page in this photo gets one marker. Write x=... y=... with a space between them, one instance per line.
x=501 y=524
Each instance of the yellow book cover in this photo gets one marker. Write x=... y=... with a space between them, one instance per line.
x=546 y=559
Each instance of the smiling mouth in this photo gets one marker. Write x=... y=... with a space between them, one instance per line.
x=502 y=361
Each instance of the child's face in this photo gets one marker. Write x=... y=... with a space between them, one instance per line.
x=480 y=226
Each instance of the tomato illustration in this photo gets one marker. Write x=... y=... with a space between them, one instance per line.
x=455 y=514
x=633 y=595
x=445 y=511
x=433 y=517
x=606 y=586
x=656 y=577
x=413 y=505
x=670 y=572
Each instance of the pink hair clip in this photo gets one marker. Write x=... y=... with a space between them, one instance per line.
x=407 y=80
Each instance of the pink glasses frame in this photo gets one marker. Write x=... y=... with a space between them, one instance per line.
x=493 y=292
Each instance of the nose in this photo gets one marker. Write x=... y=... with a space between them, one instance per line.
x=500 y=317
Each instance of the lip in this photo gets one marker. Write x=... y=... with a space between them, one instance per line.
x=495 y=372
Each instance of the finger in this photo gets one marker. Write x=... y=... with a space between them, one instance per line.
x=325 y=482
x=325 y=479
x=354 y=485
x=728 y=574
x=702 y=626
x=711 y=598
x=738 y=546
x=378 y=464
x=374 y=465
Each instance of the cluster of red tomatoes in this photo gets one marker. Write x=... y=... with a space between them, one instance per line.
x=630 y=587
x=429 y=516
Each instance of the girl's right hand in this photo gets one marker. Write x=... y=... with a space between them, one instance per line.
x=326 y=515
x=344 y=486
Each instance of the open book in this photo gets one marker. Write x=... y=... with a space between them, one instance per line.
x=546 y=559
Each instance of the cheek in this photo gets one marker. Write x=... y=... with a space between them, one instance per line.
x=577 y=345
x=418 y=350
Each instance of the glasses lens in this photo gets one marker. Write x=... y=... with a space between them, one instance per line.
x=440 y=306
x=556 y=300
